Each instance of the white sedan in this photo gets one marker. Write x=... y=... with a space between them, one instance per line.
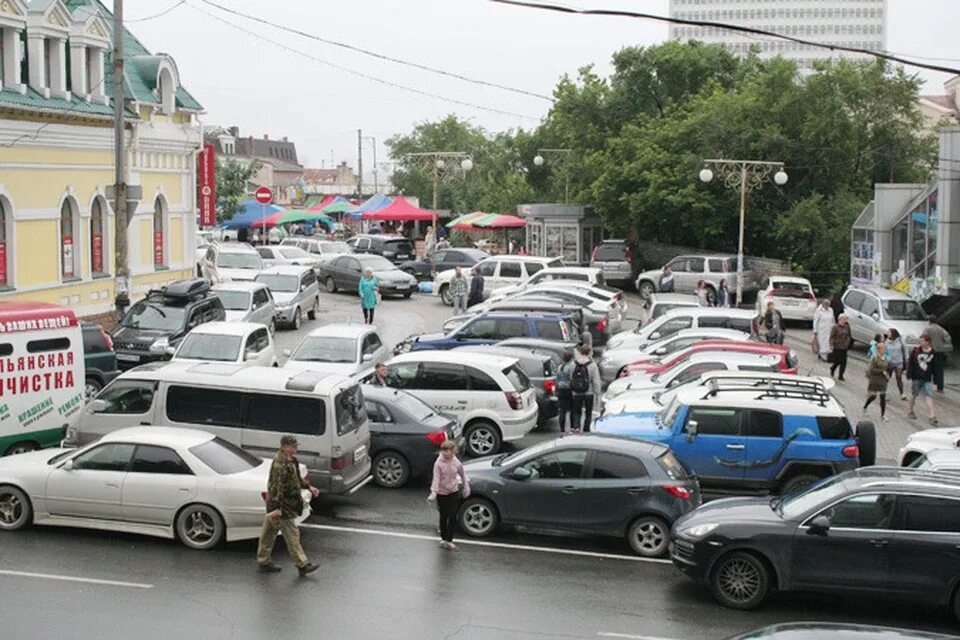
x=241 y=342
x=792 y=297
x=158 y=481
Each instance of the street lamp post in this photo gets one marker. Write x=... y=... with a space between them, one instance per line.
x=443 y=164
x=556 y=157
x=743 y=176
x=376 y=181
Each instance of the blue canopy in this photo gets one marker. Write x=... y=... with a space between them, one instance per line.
x=376 y=202
x=251 y=212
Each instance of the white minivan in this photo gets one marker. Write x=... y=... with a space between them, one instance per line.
x=248 y=406
x=41 y=374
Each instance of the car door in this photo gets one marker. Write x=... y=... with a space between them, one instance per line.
x=479 y=331
x=258 y=348
x=91 y=486
x=488 y=270
x=694 y=273
x=309 y=289
x=372 y=351
x=347 y=275
x=680 y=273
x=262 y=310
x=158 y=483
x=552 y=496
x=765 y=446
x=510 y=273
x=125 y=403
x=925 y=553
x=717 y=450
x=869 y=319
x=613 y=491
x=852 y=302
x=854 y=552
x=445 y=384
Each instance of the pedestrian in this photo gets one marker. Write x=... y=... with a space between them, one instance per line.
x=939 y=339
x=284 y=506
x=584 y=387
x=564 y=395
x=510 y=247
x=666 y=281
x=459 y=287
x=443 y=243
x=379 y=375
x=771 y=324
x=449 y=486
x=476 y=288
x=878 y=374
x=523 y=251
x=703 y=295
x=840 y=342
x=897 y=355
x=872 y=349
x=823 y=322
x=836 y=304
x=429 y=241
x=920 y=374
x=723 y=295
x=369 y=289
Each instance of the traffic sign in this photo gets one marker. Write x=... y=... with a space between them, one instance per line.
x=263 y=195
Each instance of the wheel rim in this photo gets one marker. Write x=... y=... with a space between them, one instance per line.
x=200 y=527
x=650 y=537
x=23 y=447
x=445 y=295
x=478 y=518
x=11 y=509
x=646 y=288
x=331 y=286
x=390 y=470
x=739 y=580
x=481 y=441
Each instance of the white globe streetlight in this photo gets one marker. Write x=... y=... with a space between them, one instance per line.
x=706 y=175
x=440 y=163
x=538 y=160
x=466 y=164
x=780 y=177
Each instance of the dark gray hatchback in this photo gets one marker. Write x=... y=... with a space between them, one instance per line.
x=590 y=484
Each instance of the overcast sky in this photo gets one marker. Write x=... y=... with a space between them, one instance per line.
x=265 y=89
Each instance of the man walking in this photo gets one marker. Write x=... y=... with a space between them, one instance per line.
x=920 y=374
x=476 y=288
x=666 y=281
x=284 y=506
x=939 y=338
x=585 y=386
x=458 y=291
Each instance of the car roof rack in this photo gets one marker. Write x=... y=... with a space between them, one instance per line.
x=772 y=388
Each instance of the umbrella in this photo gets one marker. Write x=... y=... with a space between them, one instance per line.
x=327 y=200
x=399 y=210
x=269 y=221
x=304 y=215
x=250 y=211
x=338 y=207
x=481 y=220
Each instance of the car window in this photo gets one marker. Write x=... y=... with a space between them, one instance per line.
x=488 y=268
x=716 y=265
x=293 y=414
x=608 y=466
x=480 y=381
x=510 y=328
x=265 y=252
x=350 y=415
x=868 y=511
x=376 y=412
x=712 y=322
x=150 y=459
x=371 y=342
x=551 y=330
x=210 y=346
x=517 y=377
x=195 y=405
x=510 y=270
x=251 y=343
x=928 y=513
x=673 y=325
x=869 y=306
x=558 y=465
x=532 y=268
x=695 y=265
x=715 y=421
x=128 y=397
x=672 y=466
x=611 y=252
x=440 y=256
x=260 y=298
x=112 y=456
x=740 y=324
x=403 y=375
x=764 y=424
x=484 y=328
x=440 y=376
x=225 y=457
x=695 y=371
x=903 y=310
x=853 y=300
x=677 y=265
x=93 y=340
x=834 y=428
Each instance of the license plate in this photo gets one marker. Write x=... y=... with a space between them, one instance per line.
x=127 y=358
x=359 y=454
x=790 y=303
x=403 y=256
x=403 y=287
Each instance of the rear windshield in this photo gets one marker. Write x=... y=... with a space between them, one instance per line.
x=224 y=457
x=790 y=289
x=611 y=252
x=672 y=466
x=234 y=300
x=351 y=413
x=400 y=246
x=556 y=262
x=834 y=428
x=662 y=307
x=517 y=378
x=553 y=330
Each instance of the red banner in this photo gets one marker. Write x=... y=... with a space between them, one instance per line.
x=207 y=185
x=67 y=257
x=98 y=254
x=158 y=248
x=3 y=263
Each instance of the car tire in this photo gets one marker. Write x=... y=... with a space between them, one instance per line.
x=330 y=284
x=956 y=603
x=16 y=511
x=867 y=443
x=646 y=289
x=312 y=314
x=297 y=319
x=478 y=517
x=649 y=536
x=91 y=388
x=482 y=439
x=390 y=470
x=445 y=295
x=199 y=527
x=798 y=483
x=740 y=580
x=407 y=295
x=21 y=447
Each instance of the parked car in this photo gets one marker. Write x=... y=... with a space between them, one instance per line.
x=246 y=301
x=679 y=319
x=793 y=297
x=322 y=249
x=596 y=311
x=588 y=484
x=277 y=256
x=938 y=460
x=593 y=293
x=880 y=531
x=99 y=359
x=549 y=306
x=873 y=310
x=658 y=304
x=347 y=349
x=835 y=631
x=618 y=259
x=344 y=272
x=396 y=249
x=405 y=435
x=182 y=484
x=540 y=366
x=295 y=291
x=922 y=442
x=231 y=261
x=491 y=396
x=497 y=271
x=688 y=270
x=586 y=275
x=427 y=267
x=787 y=356
x=204 y=240
x=488 y=328
x=556 y=347
x=158 y=322
x=241 y=342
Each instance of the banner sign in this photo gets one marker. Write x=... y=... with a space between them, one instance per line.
x=207 y=180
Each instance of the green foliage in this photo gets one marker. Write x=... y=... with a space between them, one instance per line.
x=233 y=178
x=461 y=239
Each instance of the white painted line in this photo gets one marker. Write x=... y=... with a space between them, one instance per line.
x=484 y=543
x=608 y=634
x=53 y=576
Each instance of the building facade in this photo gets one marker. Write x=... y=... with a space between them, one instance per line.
x=56 y=159
x=853 y=23
x=338 y=181
x=943 y=109
x=279 y=168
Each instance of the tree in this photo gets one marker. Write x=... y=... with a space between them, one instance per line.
x=233 y=178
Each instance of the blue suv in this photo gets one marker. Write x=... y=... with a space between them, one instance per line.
x=490 y=328
x=745 y=439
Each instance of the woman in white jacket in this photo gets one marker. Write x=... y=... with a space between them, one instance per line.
x=822 y=324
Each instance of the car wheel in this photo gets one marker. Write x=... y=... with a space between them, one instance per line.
x=407 y=295
x=15 y=509
x=21 y=447
x=297 y=318
x=312 y=314
x=199 y=527
x=799 y=483
x=478 y=517
x=740 y=581
x=331 y=285
x=445 y=295
x=649 y=536
x=390 y=470
x=92 y=388
x=867 y=443
x=483 y=439
x=646 y=289
x=956 y=603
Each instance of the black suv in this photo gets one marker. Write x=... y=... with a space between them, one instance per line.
x=154 y=326
x=441 y=260
x=394 y=248
x=873 y=530
x=99 y=360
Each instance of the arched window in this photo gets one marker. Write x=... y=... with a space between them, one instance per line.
x=158 y=236
x=4 y=220
x=69 y=262
x=97 y=238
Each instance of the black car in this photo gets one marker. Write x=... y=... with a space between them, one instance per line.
x=154 y=326
x=441 y=260
x=589 y=484
x=836 y=631
x=874 y=530
x=405 y=435
x=99 y=359
x=394 y=248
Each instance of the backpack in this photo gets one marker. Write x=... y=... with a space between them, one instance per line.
x=580 y=380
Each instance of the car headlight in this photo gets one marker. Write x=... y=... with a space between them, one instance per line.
x=699 y=531
x=160 y=345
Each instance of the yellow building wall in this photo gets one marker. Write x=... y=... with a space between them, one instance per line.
x=146 y=242
x=175 y=241
x=170 y=183
x=37 y=252
x=78 y=294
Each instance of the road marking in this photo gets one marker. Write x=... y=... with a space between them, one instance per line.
x=608 y=634
x=53 y=576
x=483 y=543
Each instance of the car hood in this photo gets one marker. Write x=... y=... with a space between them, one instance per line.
x=632 y=402
x=633 y=382
x=137 y=336
x=633 y=425
x=237 y=274
x=427 y=337
x=729 y=510
x=394 y=276
x=284 y=297
x=621 y=357
x=909 y=328
x=627 y=340
x=482 y=468
x=341 y=368
x=945 y=436
x=235 y=316
x=28 y=461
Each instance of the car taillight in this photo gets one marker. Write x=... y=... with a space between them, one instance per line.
x=769 y=294
x=811 y=297
x=677 y=492
x=550 y=386
x=437 y=438
x=602 y=325
x=629 y=256
x=107 y=340
x=851 y=451
x=595 y=254
x=514 y=400
x=618 y=295
x=340 y=463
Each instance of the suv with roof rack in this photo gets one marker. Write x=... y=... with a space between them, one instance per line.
x=744 y=439
x=154 y=326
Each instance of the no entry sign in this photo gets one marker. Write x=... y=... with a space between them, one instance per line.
x=263 y=195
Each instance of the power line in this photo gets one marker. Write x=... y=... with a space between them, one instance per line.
x=156 y=15
x=361 y=74
x=379 y=56
x=729 y=27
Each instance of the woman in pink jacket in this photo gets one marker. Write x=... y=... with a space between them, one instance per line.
x=449 y=487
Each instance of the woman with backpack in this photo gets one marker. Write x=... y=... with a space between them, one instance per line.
x=584 y=387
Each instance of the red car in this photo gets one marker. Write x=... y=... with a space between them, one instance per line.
x=788 y=360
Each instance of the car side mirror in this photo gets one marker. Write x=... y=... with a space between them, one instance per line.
x=654 y=336
x=97 y=406
x=521 y=473
x=67 y=466
x=303 y=287
x=170 y=351
x=249 y=354
x=287 y=352
x=819 y=526
x=367 y=357
x=662 y=351
x=875 y=316
x=692 y=428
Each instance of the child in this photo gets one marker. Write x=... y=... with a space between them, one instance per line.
x=449 y=486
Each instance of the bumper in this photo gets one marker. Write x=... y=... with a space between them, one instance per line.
x=689 y=557
x=549 y=407
x=516 y=428
x=336 y=483
x=285 y=315
x=396 y=289
x=609 y=371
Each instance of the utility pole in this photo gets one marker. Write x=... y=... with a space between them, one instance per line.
x=122 y=270
x=359 y=164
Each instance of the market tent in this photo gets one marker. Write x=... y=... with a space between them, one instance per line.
x=269 y=221
x=481 y=220
x=304 y=215
x=374 y=203
x=318 y=206
x=339 y=205
x=399 y=210
x=250 y=212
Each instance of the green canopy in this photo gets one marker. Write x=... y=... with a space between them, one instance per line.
x=339 y=207
x=301 y=215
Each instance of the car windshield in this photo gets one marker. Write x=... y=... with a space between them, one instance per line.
x=351 y=413
x=529 y=452
x=413 y=406
x=669 y=415
x=234 y=300
x=611 y=252
x=334 y=247
x=798 y=504
x=230 y=260
x=903 y=310
x=224 y=457
x=147 y=315
x=209 y=346
x=292 y=253
x=377 y=263
x=662 y=307
x=326 y=349
x=784 y=289
x=281 y=283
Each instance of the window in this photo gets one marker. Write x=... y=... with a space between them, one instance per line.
x=258 y=340
x=191 y=405
x=106 y=457
x=265 y=252
x=403 y=375
x=287 y=414
x=869 y=306
x=678 y=265
x=869 y=511
x=532 y=268
x=673 y=325
x=371 y=343
x=853 y=300
x=149 y=459
x=438 y=376
x=480 y=381
x=487 y=269
x=349 y=410
x=484 y=328
x=440 y=256
x=558 y=466
x=376 y=412
x=712 y=322
x=551 y=330
x=695 y=265
x=260 y=298
x=510 y=329
x=159 y=251
x=921 y=513
x=715 y=421
x=225 y=457
x=517 y=378
x=764 y=424
x=609 y=466
x=96 y=238
x=69 y=260
x=128 y=397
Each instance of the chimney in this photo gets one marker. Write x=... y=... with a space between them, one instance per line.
x=284 y=138
x=234 y=131
x=266 y=137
